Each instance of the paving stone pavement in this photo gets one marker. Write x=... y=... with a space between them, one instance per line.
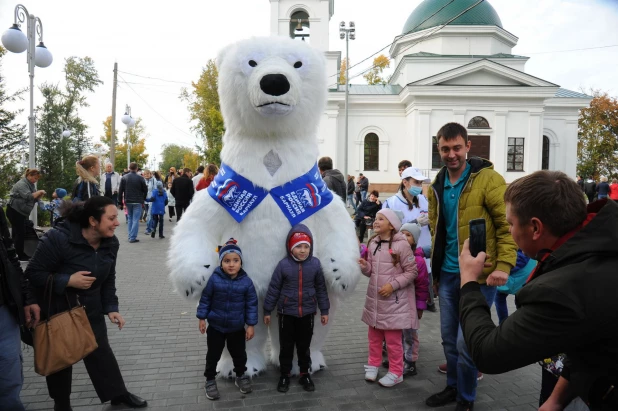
x=162 y=356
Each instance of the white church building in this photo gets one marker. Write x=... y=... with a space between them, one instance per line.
x=463 y=71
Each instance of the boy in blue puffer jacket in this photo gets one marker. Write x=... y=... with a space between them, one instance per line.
x=157 y=210
x=228 y=302
x=297 y=282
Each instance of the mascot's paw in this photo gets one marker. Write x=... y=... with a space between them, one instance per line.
x=342 y=275
x=189 y=281
x=256 y=364
x=317 y=361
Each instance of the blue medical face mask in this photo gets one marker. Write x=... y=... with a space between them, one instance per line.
x=414 y=191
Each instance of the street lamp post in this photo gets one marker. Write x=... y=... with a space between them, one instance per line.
x=66 y=133
x=347 y=34
x=15 y=41
x=129 y=122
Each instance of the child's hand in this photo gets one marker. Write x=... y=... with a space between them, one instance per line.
x=420 y=314
x=249 y=333
x=267 y=319
x=363 y=263
x=386 y=290
x=324 y=319
x=202 y=326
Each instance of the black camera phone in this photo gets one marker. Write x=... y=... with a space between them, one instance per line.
x=477 y=236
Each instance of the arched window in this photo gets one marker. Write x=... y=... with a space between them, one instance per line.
x=372 y=152
x=478 y=122
x=545 y=157
x=299 y=25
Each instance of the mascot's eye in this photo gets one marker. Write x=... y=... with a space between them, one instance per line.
x=298 y=64
x=252 y=63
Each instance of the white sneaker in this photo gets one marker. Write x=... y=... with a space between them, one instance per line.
x=390 y=380
x=371 y=373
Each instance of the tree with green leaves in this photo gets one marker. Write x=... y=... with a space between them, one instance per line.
x=597 y=145
x=203 y=106
x=13 y=137
x=60 y=109
x=374 y=76
x=137 y=138
x=178 y=156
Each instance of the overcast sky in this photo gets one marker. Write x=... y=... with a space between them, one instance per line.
x=173 y=40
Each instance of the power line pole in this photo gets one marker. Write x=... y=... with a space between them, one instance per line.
x=112 y=144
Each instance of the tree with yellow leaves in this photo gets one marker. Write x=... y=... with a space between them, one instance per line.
x=374 y=76
x=343 y=70
x=137 y=139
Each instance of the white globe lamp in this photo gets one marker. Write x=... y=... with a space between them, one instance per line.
x=15 y=40
x=126 y=119
x=42 y=56
x=132 y=123
x=66 y=133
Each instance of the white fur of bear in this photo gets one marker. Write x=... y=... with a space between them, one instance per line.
x=257 y=124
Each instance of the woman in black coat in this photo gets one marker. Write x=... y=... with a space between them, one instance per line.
x=80 y=253
x=366 y=212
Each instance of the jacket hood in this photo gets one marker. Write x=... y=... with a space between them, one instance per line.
x=219 y=271
x=396 y=238
x=299 y=228
x=336 y=174
x=597 y=238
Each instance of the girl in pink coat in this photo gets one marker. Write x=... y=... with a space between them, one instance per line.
x=390 y=305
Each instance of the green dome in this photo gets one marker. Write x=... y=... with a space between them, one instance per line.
x=481 y=15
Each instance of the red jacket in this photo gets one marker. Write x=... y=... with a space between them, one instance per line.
x=203 y=183
x=613 y=191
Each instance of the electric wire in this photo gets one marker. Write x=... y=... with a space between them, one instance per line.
x=397 y=38
x=155 y=111
x=155 y=78
x=417 y=42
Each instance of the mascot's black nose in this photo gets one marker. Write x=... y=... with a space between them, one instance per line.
x=275 y=84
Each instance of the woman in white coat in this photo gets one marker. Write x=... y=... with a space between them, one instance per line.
x=414 y=206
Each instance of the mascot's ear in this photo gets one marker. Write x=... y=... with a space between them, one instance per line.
x=221 y=57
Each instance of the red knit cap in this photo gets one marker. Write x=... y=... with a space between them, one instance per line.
x=299 y=238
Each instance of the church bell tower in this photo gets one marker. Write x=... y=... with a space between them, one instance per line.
x=303 y=20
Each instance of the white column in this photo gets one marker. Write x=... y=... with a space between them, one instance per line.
x=383 y=155
x=570 y=147
x=534 y=142
x=359 y=157
x=422 y=155
x=459 y=116
x=499 y=142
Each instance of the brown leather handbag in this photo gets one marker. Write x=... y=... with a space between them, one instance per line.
x=63 y=339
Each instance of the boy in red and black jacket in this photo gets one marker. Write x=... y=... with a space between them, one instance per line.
x=297 y=289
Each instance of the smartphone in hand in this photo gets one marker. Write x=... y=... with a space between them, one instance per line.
x=477 y=236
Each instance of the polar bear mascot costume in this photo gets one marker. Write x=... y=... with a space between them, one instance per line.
x=272 y=92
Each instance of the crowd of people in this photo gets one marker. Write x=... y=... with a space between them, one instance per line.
x=544 y=243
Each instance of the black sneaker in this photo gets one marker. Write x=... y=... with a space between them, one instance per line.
x=212 y=393
x=409 y=368
x=446 y=396
x=161 y=236
x=284 y=384
x=431 y=307
x=152 y=234
x=306 y=382
x=464 y=405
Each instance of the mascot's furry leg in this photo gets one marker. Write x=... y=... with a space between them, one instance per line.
x=256 y=357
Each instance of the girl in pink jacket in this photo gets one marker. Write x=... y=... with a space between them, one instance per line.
x=390 y=305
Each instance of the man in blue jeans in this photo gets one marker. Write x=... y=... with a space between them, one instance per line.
x=462 y=191
x=133 y=192
x=17 y=308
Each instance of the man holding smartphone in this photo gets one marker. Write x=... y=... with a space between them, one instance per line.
x=568 y=304
x=464 y=190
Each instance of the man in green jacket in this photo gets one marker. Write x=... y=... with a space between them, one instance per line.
x=569 y=303
x=462 y=191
